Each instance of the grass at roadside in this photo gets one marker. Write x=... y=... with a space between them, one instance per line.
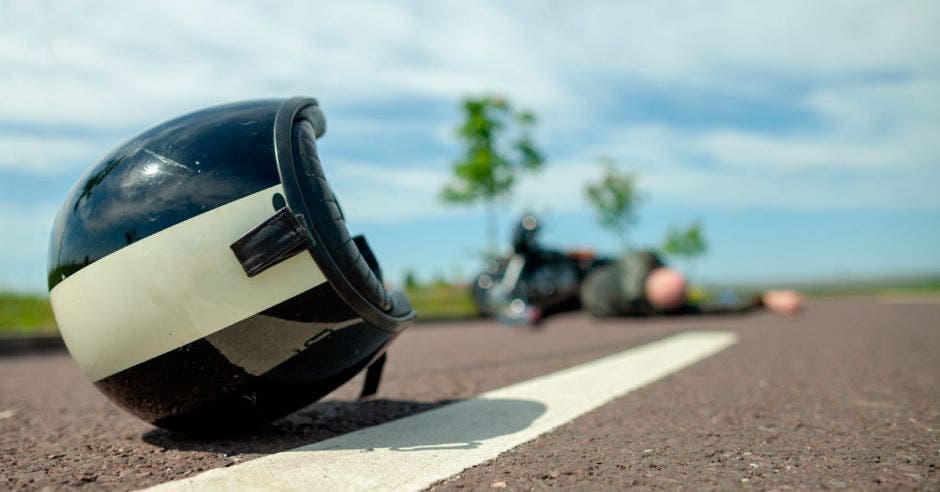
x=439 y=300
x=28 y=314
x=25 y=314
x=927 y=285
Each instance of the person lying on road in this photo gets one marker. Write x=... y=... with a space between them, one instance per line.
x=640 y=284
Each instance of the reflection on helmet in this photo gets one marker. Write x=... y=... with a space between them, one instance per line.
x=203 y=277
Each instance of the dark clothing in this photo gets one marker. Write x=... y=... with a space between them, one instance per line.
x=619 y=289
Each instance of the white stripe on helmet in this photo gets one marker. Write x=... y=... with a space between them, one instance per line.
x=172 y=288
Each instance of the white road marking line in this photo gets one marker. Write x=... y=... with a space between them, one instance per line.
x=7 y=414
x=414 y=452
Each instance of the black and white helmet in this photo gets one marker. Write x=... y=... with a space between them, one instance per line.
x=203 y=278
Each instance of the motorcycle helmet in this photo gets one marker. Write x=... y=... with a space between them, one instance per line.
x=202 y=275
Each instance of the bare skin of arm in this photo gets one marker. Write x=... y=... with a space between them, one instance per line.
x=666 y=291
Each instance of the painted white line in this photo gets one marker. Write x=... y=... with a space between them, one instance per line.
x=414 y=452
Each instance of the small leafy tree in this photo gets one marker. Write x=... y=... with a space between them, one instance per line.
x=498 y=146
x=411 y=281
x=615 y=199
x=688 y=243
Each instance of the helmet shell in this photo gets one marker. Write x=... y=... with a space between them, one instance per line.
x=157 y=310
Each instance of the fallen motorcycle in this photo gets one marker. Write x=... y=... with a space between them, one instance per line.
x=533 y=282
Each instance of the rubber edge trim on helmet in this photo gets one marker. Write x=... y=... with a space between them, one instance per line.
x=283 y=152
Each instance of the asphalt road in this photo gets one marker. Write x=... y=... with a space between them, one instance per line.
x=845 y=396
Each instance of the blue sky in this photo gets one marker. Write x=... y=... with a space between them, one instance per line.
x=804 y=135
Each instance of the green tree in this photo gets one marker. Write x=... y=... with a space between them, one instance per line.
x=615 y=199
x=411 y=281
x=498 y=145
x=688 y=243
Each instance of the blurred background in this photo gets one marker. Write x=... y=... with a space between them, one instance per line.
x=802 y=137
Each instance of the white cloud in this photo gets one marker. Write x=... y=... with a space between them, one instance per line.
x=114 y=62
x=867 y=73
x=120 y=65
x=119 y=62
x=882 y=125
x=723 y=167
x=377 y=193
x=46 y=154
x=706 y=42
x=794 y=153
x=25 y=227
x=24 y=242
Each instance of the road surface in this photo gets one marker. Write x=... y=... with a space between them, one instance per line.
x=847 y=395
